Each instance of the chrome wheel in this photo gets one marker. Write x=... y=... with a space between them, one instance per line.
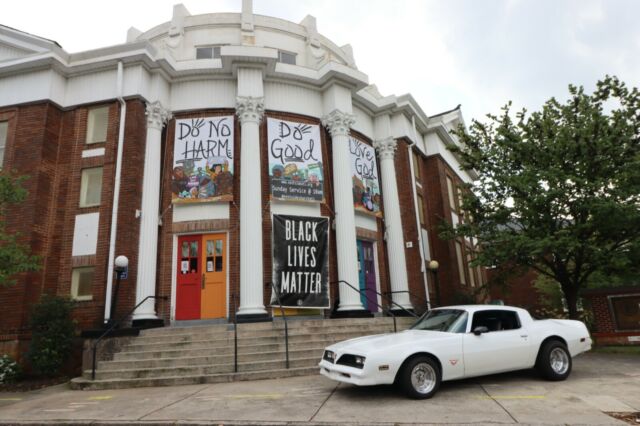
x=423 y=378
x=559 y=361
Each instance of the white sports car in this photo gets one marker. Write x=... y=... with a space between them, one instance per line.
x=457 y=342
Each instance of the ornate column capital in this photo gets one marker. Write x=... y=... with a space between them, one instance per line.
x=249 y=109
x=338 y=122
x=157 y=115
x=386 y=147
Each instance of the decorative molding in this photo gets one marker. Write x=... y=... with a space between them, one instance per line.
x=249 y=109
x=338 y=123
x=157 y=115
x=386 y=147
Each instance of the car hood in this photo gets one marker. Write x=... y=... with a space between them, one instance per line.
x=366 y=344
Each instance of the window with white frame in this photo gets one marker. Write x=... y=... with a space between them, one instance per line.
x=4 y=127
x=286 y=57
x=208 y=52
x=97 y=121
x=91 y=187
x=82 y=283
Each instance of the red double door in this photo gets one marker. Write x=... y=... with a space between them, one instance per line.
x=201 y=284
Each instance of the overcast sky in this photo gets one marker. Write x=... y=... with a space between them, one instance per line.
x=478 y=53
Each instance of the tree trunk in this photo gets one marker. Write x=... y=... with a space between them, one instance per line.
x=571 y=296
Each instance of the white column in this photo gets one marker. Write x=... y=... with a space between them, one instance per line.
x=157 y=116
x=395 y=239
x=250 y=111
x=338 y=123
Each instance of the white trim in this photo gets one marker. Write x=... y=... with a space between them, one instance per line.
x=377 y=266
x=96 y=152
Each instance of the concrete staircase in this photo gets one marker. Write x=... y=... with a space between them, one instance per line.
x=205 y=354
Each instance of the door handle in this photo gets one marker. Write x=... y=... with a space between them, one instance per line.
x=524 y=336
x=203 y=281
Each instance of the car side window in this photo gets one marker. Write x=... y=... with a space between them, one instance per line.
x=498 y=320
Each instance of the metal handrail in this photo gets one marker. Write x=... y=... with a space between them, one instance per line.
x=112 y=327
x=426 y=303
x=235 y=333
x=386 y=311
x=284 y=317
x=389 y=300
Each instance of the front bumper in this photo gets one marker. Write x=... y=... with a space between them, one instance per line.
x=346 y=374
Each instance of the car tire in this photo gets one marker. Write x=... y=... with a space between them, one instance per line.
x=420 y=377
x=554 y=361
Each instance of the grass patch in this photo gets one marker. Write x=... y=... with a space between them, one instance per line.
x=627 y=350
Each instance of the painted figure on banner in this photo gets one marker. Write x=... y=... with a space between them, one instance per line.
x=203 y=160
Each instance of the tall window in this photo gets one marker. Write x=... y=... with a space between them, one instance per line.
x=97 y=124
x=82 y=283
x=91 y=187
x=451 y=194
x=421 y=210
x=4 y=126
x=460 y=260
x=416 y=165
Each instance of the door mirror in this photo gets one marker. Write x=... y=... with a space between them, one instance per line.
x=480 y=329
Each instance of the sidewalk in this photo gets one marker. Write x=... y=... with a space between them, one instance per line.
x=599 y=383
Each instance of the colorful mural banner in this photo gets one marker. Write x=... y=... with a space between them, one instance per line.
x=301 y=261
x=203 y=160
x=295 y=161
x=364 y=169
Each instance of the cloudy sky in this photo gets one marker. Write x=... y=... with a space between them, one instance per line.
x=478 y=53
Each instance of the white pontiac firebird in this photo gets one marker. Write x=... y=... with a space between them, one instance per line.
x=458 y=342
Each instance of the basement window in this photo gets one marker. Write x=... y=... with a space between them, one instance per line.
x=97 y=125
x=91 y=187
x=4 y=126
x=286 y=57
x=208 y=52
x=82 y=283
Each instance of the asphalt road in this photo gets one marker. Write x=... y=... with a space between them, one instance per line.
x=599 y=383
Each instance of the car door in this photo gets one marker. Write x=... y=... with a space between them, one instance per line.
x=505 y=347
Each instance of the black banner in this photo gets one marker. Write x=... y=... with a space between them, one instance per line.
x=301 y=261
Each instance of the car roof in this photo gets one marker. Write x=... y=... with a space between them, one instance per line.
x=476 y=308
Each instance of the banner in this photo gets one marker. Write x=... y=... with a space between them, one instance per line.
x=203 y=160
x=366 y=186
x=301 y=261
x=295 y=161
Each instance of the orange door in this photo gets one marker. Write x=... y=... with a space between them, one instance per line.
x=214 y=280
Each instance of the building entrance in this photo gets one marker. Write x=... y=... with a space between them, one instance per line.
x=367 y=269
x=201 y=284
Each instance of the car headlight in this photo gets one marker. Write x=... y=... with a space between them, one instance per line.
x=329 y=356
x=359 y=360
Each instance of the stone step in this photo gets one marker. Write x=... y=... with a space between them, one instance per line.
x=134 y=346
x=203 y=370
x=226 y=350
x=292 y=322
x=184 y=361
x=274 y=331
x=83 y=383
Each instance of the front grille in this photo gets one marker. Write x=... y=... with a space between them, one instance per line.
x=350 y=361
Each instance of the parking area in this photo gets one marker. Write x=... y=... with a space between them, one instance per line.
x=600 y=383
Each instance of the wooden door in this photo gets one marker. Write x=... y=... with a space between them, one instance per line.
x=189 y=277
x=214 y=281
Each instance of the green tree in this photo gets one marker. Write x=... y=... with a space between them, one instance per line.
x=558 y=189
x=15 y=257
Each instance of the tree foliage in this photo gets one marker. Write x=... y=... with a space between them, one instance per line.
x=558 y=189
x=15 y=257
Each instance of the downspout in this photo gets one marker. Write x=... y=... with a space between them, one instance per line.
x=423 y=269
x=116 y=193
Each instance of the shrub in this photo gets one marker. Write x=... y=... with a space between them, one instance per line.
x=9 y=369
x=52 y=334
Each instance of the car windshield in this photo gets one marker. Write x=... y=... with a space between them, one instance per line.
x=447 y=320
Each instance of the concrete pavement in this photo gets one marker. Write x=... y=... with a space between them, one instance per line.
x=599 y=383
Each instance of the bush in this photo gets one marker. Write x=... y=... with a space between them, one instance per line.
x=9 y=369
x=52 y=334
